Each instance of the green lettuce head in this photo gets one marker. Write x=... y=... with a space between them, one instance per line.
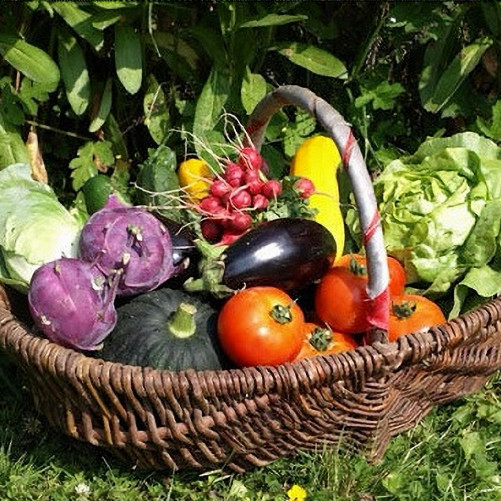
x=441 y=211
x=35 y=228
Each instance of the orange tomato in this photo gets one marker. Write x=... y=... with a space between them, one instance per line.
x=411 y=313
x=260 y=326
x=322 y=341
x=396 y=271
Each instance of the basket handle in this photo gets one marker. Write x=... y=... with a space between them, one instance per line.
x=4 y=298
x=361 y=185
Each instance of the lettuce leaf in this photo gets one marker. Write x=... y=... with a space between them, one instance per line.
x=441 y=216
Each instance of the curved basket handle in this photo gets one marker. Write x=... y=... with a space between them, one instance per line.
x=361 y=185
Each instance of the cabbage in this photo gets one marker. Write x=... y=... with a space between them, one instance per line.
x=441 y=211
x=35 y=228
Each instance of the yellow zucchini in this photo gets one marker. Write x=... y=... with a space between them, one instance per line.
x=318 y=159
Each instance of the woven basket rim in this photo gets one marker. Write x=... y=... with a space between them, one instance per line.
x=363 y=362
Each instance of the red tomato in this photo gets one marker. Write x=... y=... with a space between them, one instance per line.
x=260 y=326
x=411 y=313
x=340 y=300
x=395 y=269
x=341 y=295
x=322 y=341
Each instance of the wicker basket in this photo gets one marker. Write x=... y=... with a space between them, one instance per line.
x=249 y=417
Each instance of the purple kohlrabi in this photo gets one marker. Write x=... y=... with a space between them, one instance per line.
x=72 y=303
x=130 y=240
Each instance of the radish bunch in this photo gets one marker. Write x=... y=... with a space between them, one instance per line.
x=241 y=189
x=240 y=197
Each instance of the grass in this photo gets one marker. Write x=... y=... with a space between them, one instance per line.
x=454 y=454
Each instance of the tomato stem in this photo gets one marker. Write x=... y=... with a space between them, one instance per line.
x=357 y=268
x=281 y=313
x=404 y=309
x=320 y=338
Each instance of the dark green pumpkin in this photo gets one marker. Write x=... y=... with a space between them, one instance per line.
x=165 y=329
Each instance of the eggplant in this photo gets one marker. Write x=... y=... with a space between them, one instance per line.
x=288 y=253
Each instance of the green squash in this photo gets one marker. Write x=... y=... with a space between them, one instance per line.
x=165 y=329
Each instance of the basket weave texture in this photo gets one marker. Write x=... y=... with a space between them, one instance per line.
x=243 y=418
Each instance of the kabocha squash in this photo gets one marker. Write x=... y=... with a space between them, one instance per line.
x=165 y=329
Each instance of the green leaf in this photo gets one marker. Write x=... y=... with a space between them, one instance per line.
x=12 y=149
x=80 y=21
x=128 y=58
x=105 y=19
x=437 y=55
x=462 y=65
x=484 y=281
x=253 y=90
x=472 y=444
x=382 y=97
x=91 y=157
x=115 y=136
x=295 y=133
x=31 y=61
x=492 y=130
x=115 y=4
x=313 y=59
x=212 y=43
x=157 y=178
x=104 y=108
x=31 y=94
x=157 y=118
x=210 y=104
x=273 y=20
x=74 y=73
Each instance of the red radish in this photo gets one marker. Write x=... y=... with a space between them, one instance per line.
x=271 y=189
x=241 y=221
x=219 y=188
x=250 y=158
x=212 y=230
x=260 y=202
x=253 y=181
x=229 y=237
x=241 y=199
x=305 y=187
x=210 y=205
x=233 y=174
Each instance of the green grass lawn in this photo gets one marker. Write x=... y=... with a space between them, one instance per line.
x=454 y=454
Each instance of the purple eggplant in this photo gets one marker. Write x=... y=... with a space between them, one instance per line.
x=289 y=253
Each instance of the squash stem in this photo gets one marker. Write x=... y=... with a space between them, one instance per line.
x=182 y=322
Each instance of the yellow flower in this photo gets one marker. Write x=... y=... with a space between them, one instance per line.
x=296 y=493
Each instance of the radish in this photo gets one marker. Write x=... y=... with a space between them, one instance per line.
x=304 y=187
x=271 y=189
x=241 y=199
x=250 y=158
